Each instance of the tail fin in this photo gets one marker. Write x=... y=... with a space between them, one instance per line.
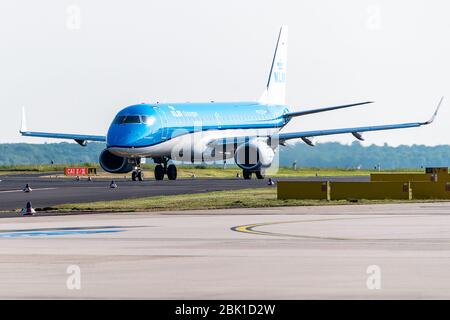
x=275 y=92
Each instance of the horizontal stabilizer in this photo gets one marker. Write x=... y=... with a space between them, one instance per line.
x=311 y=111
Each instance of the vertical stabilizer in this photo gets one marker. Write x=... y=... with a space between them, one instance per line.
x=275 y=92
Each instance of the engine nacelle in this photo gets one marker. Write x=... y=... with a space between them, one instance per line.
x=113 y=163
x=254 y=155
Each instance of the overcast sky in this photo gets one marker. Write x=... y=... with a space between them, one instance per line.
x=74 y=64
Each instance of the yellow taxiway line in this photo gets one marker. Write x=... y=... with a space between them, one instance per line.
x=250 y=229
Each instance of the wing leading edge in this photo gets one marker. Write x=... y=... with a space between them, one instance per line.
x=70 y=136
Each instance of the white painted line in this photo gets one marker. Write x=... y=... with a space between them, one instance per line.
x=40 y=189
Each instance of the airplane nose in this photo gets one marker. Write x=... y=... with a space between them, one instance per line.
x=119 y=138
x=124 y=137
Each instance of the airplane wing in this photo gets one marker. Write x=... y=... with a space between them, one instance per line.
x=305 y=135
x=356 y=131
x=79 y=138
x=63 y=136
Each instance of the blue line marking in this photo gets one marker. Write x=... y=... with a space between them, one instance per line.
x=54 y=233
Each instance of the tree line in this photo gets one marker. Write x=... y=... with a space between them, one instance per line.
x=324 y=155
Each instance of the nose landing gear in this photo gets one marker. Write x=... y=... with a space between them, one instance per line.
x=137 y=174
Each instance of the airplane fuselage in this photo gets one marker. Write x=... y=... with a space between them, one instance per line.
x=156 y=130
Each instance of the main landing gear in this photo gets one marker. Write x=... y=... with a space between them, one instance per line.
x=162 y=169
x=247 y=174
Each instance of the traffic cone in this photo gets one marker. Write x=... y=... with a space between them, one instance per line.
x=28 y=210
x=27 y=188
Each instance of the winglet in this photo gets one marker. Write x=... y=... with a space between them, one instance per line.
x=435 y=113
x=23 y=127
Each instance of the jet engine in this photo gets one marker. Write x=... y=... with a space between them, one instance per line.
x=254 y=155
x=113 y=163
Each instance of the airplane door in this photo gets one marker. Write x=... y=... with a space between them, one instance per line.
x=218 y=119
x=164 y=124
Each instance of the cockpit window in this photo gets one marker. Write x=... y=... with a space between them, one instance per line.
x=133 y=119
x=118 y=120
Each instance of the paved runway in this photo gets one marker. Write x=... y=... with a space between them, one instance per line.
x=48 y=192
x=273 y=253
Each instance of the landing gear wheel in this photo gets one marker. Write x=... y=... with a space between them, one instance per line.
x=159 y=172
x=140 y=176
x=172 y=172
x=133 y=175
x=247 y=174
x=259 y=175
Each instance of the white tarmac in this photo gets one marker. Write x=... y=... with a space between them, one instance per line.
x=275 y=253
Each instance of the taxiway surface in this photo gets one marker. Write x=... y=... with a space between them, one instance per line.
x=49 y=192
x=270 y=253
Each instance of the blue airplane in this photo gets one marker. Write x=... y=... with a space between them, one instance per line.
x=248 y=131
